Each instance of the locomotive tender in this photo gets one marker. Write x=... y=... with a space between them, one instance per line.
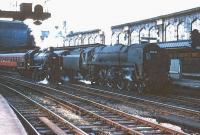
x=135 y=67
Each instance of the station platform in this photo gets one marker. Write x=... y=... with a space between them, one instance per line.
x=188 y=83
x=9 y=123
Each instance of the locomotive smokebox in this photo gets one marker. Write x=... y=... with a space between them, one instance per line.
x=26 y=8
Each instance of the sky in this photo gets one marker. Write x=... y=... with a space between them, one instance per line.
x=82 y=15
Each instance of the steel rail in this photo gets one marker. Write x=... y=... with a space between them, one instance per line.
x=29 y=128
x=69 y=125
x=82 y=88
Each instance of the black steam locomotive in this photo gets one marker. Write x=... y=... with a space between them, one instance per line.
x=133 y=67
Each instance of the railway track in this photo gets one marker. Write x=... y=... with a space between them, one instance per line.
x=182 y=101
x=156 y=100
x=42 y=119
x=189 y=99
x=92 y=126
x=179 y=114
x=122 y=122
x=12 y=73
x=188 y=119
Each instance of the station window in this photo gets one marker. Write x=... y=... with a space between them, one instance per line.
x=135 y=37
x=171 y=33
x=143 y=34
x=153 y=32
x=114 y=38
x=183 y=34
x=91 y=40
x=97 y=39
x=123 y=38
x=85 y=40
x=196 y=25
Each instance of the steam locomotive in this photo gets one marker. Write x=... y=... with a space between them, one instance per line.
x=134 y=67
x=15 y=36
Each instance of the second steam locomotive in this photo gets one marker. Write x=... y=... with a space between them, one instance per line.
x=15 y=36
x=134 y=67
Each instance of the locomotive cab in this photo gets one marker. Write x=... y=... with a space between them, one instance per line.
x=150 y=66
x=156 y=66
